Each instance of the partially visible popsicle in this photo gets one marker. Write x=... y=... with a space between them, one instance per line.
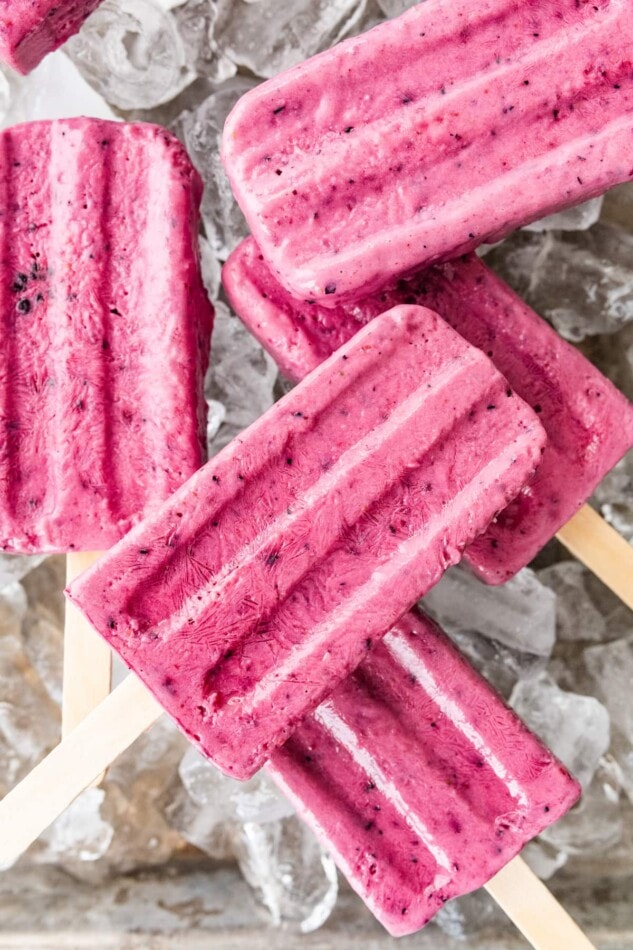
x=29 y=29
x=431 y=134
x=418 y=779
x=105 y=342
x=274 y=570
x=105 y=330
x=589 y=423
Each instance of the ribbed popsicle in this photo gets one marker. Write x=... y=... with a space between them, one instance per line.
x=273 y=571
x=29 y=29
x=431 y=134
x=589 y=423
x=418 y=779
x=105 y=326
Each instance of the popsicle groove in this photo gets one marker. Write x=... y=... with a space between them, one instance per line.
x=9 y=470
x=76 y=243
x=28 y=375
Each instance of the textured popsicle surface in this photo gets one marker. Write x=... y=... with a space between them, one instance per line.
x=589 y=423
x=431 y=134
x=418 y=779
x=271 y=573
x=105 y=328
x=29 y=29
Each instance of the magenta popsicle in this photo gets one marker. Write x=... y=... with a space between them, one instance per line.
x=106 y=330
x=29 y=29
x=431 y=134
x=418 y=779
x=269 y=576
x=588 y=422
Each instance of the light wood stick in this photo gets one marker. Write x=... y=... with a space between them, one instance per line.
x=28 y=809
x=87 y=656
x=534 y=910
x=600 y=548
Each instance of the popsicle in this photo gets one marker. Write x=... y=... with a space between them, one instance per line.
x=29 y=29
x=106 y=328
x=589 y=423
x=417 y=778
x=269 y=575
x=431 y=134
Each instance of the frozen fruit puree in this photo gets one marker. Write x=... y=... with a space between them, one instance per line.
x=269 y=576
x=589 y=423
x=29 y=29
x=418 y=779
x=431 y=134
x=105 y=330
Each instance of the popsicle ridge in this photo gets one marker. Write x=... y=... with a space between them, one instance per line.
x=346 y=181
x=418 y=779
x=90 y=311
x=265 y=574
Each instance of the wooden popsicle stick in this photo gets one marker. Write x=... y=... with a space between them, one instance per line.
x=534 y=910
x=29 y=808
x=600 y=548
x=87 y=656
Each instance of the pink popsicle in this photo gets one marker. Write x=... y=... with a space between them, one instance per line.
x=589 y=423
x=268 y=577
x=29 y=29
x=431 y=134
x=418 y=779
x=105 y=326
